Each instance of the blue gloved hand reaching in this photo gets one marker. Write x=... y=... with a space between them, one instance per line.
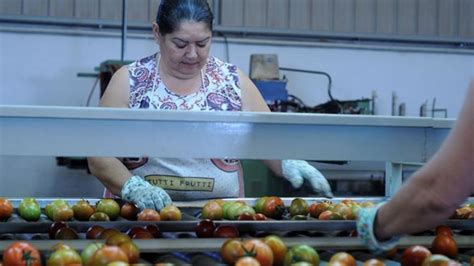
x=145 y=195
x=297 y=171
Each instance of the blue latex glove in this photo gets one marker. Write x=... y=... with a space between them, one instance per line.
x=365 y=230
x=144 y=195
x=296 y=171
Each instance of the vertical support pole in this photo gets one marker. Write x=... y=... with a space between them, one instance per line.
x=124 y=29
x=393 y=178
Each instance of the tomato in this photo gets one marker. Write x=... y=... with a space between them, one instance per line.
x=414 y=255
x=66 y=233
x=343 y=258
x=298 y=206
x=108 y=232
x=99 y=216
x=108 y=254
x=258 y=249
x=64 y=257
x=231 y=211
x=260 y=217
x=117 y=239
x=82 y=210
x=62 y=213
x=149 y=215
x=344 y=211
x=212 y=210
x=6 y=209
x=373 y=262
x=94 y=232
x=439 y=260
x=88 y=251
x=231 y=251
x=247 y=217
x=205 y=228
x=243 y=209
x=21 y=253
x=170 y=213
x=228 y=231
x=153 y=229
x=139 y=233
x=131 y=250
x=278 y=248
x=300 y=253
x=444 y=245
x=325 y=215
x=59 y=246
x=52 y=205
x=54 y=228
x=444 y=230
x=129 y=211
x=109 y=207
x=247 y=261
x=29 y=210
x=273 y=207
x=259 y=204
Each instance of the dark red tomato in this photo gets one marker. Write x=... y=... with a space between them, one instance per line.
x=149 y=215
x=129 y=211
x=414 y=255
x=54 y=228
x=444 y=230
x=6 y=209
x=66 y=233
x=205 y=228
x=94 y=232
x=21 y=253
x=139 y=233
x=108 y=254
x=260 y=217
x=263 y=253
x=273 y=207
x=153 y=229
x=231 y=251
x=444 y=245
x=224 y=231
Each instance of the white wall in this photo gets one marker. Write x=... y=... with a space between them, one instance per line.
x=41 y=69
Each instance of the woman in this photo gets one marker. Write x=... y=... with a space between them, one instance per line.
x=182 y=76
x=432 y=194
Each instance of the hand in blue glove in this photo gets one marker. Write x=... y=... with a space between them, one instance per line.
x=296 y=171
x=144 y=195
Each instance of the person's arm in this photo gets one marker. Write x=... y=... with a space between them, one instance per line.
x=433 y=193
x=295 y=171
x=110 y=170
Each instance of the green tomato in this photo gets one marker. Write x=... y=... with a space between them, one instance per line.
x=243 y=209
x=232 y=210
x=109 y=207
x=88 y=251
x=298 y=207
x=29 y=211
x=301 y=253
x=259 y=204
x=49 y=208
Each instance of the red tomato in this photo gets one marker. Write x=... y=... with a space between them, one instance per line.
x=6 y=209
x=444 y=245
x=260 y=217
x=228 y=231
x=170 y=213
x=278 y=247
x=108 y=254
x=231 y=251
x=205 y=229
x=246 y=217
x=94 y=232
x=444 y=230
x=149 y=215
x=343 y=258
x=247 y=261
x=262 y=252
x=414 y=255
x=21 y=253
x=273 y=207
x=64 y=257
x=153 y=229
x=129 y=211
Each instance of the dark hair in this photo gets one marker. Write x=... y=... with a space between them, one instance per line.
x=172 y=12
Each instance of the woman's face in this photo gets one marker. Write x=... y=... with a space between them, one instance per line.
x=185 y=51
